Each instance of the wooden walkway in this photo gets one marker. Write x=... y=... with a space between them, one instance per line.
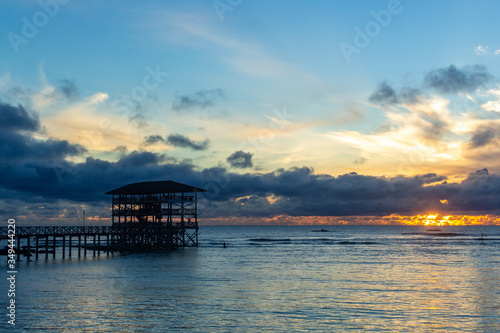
x=36 y=241
x=68 y=241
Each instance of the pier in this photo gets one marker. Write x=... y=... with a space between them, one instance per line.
x=42 y=242
x=147 y=216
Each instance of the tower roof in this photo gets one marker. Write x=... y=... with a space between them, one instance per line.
x=165 y=186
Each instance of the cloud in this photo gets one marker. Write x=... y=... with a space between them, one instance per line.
x=16 y=143
x=68 y=89
x=120 y=149
x=296 y=191
x=411 y=95
x=484 y=135
x=300 y=192
x=140 y=159
x=14 y=118
x=36 y=171
x=200 y=99
x=360 y=161
x=152 y=139
x=456 y=80
x=481 y=50
x=444 y=132
x=240 y=159
x=179 y=140
x=139 y=120
x=384 y=94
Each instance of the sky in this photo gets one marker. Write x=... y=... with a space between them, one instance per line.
x=287 y=112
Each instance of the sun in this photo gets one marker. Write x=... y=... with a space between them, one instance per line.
x=436 y=219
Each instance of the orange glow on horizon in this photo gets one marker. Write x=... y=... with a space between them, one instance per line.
x=444 y=220
x=434 y=219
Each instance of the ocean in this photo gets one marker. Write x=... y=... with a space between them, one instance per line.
x=274 y=279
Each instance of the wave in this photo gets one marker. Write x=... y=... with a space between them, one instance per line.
x=270 y=240
x=437 y=234
x=355 y=243
x=307 y=241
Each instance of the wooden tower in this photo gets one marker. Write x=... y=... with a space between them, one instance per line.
x=155 y=216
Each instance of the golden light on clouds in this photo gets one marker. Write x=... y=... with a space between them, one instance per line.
x=434 y=219
x=444 y=220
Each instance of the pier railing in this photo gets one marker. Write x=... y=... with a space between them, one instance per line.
x=59 y=230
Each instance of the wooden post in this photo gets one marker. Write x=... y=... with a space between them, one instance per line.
x=70 y=244
x=107 y=243
x=54 y=246
x=99 y=245
x=64 y=246
x=79 y=245
x=36 y=248
x=18 y=248
x=28 y=249
x=84 y=245
x=46 y=247
x=94 y=247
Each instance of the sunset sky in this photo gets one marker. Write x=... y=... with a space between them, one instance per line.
x=287 y=112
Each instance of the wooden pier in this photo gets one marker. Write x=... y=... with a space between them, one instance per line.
x=148 y=216
x=71 y=240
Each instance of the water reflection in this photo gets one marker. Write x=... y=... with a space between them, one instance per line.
x=355 y=278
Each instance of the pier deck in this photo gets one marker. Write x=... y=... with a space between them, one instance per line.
x=68 y=241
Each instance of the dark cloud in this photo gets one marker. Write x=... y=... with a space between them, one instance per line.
x=454 y=80
x=15 y=118
x=120 y=149
x=483 y=136
x=384 y=94
x=152 y=139
x=37 y=171
x=296 y=191
x=410 y=95
x=17 y=146
x=179 y=140
x=478 y=174
x=139 y=120
x=200 y=99
x=240 y=159
x=445 y=80
x=140 y=159
x=360 y=161
x=433 y=127
x=68 y=88
x=16 y=142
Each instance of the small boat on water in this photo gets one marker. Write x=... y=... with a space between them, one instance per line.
x=320 y=230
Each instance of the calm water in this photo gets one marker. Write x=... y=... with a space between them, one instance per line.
x=275 y=279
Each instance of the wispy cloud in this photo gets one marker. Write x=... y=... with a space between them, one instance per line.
x=481 y=50
x=427 y=130
x=240 y=159
x=200 y=99
x=454 y=80
x=177 y=140
x=246 y=57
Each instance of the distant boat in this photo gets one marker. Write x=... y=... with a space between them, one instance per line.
x=320 y=230
x=434 y=229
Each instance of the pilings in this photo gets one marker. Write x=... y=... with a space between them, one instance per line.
x=59 y=241
x=33 y=242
